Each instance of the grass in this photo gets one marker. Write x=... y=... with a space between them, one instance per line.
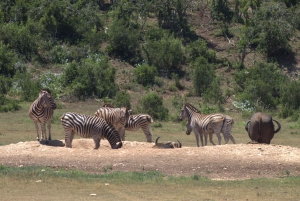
x=40 y=183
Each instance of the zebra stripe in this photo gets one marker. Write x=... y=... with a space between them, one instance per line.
x=87 y=127
x=117 y=117
x=142 y=121
x=137 y=121
x=41 y=111
x=206 y=124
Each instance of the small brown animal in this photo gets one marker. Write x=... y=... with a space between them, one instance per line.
x=167 y=145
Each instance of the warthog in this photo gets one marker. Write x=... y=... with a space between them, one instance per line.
x=167 y=145
x=261 y=129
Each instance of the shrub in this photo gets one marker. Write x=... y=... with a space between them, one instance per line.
x=145 y=74
x=199 y=48
x=152 y=104
x=122 y=99
x=259 y=84
x=203 y=75
x=166 y=53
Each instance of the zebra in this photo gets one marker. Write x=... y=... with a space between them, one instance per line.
x=41 y=111
x=89 y=126
x=137 y=121
x=206 y=124
x=117 y=117
x=167 y=145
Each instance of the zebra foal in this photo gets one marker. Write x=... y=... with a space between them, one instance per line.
x=117 y=117
x=87 y=127
x=41 y=111
x=207 y=124
x=136 y=122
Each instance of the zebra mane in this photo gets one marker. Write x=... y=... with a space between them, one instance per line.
x=46 y=89
x=108 y=105
x=191 y=107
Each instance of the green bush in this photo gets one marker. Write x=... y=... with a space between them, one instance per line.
x=166 y=53
x=92 y=77
x=213 y=93
x=7 y=105
x=203 y=75
x=259 y=85
x=145 y=74
x=199 y=48
x=122 y=99
x=271 y=28
x=152 y=104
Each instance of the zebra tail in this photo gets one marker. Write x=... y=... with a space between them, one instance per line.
x=149 y=119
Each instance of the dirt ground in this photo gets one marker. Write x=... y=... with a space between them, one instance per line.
x=223 y=162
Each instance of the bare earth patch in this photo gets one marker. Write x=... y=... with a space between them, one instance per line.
x=225 y=162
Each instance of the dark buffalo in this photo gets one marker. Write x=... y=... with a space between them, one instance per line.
x=261 y=129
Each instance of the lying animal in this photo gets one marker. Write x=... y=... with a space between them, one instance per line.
x=167 y=145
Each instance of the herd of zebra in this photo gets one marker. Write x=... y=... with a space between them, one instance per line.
x=110 y=123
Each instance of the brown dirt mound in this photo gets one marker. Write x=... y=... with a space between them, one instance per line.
x=225 y=162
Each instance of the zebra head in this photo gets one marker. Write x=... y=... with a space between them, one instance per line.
x=188 y=128
x=46 y=99
x=126 y=116
x=183 y=113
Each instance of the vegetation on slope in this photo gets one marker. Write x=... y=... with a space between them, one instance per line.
x=70 y=46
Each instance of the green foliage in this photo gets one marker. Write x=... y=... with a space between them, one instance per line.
x=7 y=60
x=152 y=104
x=122 y=99
x=123 y=41
x=165 y=53
x=92 y=77
x=7 y=105
x=213 y=93
x=203 y=75
x=172 y=15
x=260 y=85
x=199 y=48
x=145 y=74
x=290 y=99
x=26 y=87
x=271 y=29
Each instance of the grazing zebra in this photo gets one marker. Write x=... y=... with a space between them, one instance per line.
x=206 y=124
x=41 y=111
x=117 y=117
x=89 y=126
x=137 y=121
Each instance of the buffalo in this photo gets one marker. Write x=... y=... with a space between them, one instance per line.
x=261 y=129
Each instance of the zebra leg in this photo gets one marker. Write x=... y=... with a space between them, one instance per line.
x=197 y=138
x=148 y=135
x=69 y=135
x=219 y=137
x=37 y=130
x=231 y=138
x=49 y=130
x=121 y=132
x=97 y=141
x=210 y=138
x=44 y=134
x=205 y=138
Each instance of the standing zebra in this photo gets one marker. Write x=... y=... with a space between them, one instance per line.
x=137 y=121
x=89 y=126
x=117 y=117
x=41 y=111
x=206 y=124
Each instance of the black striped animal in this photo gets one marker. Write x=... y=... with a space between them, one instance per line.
x=89 y=127
x=136 y=122
x=167 y=145
x=205 y=125
x=261 y=129
x=41 y=112
x=117 y=117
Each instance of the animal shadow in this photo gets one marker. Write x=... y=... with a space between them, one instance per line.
x=53 y=143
